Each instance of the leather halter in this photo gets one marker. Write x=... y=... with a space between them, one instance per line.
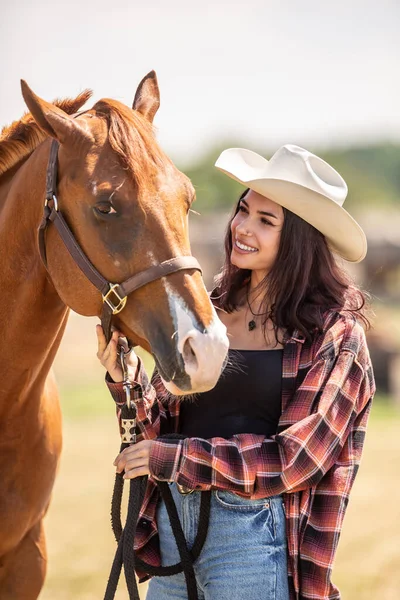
x=114 y=294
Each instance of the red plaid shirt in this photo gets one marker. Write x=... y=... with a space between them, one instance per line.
x=327 y=389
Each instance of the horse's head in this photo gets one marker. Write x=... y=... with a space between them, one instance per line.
x=127 y=205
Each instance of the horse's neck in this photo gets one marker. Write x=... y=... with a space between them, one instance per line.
x=32 y=316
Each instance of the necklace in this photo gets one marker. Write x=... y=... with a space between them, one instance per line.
x=252 y=324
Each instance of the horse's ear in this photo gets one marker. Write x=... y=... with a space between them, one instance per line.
x=54 y=121
x=147 y=97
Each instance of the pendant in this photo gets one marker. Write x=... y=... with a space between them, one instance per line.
x=252 y=325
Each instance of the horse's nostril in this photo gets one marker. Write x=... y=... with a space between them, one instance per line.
x=189 y=356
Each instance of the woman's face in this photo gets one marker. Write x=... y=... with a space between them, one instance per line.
x=256 y=232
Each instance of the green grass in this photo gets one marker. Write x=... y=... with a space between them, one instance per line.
x=90 y=399
x=383 y=408
x=85 y=401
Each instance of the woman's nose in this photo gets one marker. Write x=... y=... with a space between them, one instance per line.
x=243 y=228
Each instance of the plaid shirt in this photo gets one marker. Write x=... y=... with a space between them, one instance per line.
x=327 y=390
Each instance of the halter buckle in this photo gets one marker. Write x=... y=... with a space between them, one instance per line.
x=55 y=201
x=121 y=301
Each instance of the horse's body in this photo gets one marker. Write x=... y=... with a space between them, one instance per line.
x=34 y=304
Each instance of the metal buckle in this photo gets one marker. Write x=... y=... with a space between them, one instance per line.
x=182 y=489
x=55 y=202
x=127 y=424
x=127 y=390
x=121 y=301
x=127 y=386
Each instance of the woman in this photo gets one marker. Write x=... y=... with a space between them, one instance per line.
x=279 y=438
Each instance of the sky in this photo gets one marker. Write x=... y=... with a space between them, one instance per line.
x=257 y=74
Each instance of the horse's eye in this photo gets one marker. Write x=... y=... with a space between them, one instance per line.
x=105 y=209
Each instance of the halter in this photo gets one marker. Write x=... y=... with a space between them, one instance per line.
x=114 y=294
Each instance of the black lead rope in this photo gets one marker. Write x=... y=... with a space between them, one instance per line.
x=125 y=555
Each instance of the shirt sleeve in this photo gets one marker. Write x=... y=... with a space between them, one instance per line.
x=334 y=391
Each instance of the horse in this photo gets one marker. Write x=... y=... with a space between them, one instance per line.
x=127 y=206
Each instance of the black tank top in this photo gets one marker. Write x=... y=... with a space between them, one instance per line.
x=246 y=399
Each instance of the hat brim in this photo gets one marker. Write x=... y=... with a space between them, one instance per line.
x=343 y=234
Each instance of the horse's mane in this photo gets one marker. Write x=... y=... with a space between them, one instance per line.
x=131 y=136
x=20 y=138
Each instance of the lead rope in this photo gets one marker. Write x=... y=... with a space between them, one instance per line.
x=125 y=554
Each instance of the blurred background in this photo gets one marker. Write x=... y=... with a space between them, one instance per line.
x=256 y=74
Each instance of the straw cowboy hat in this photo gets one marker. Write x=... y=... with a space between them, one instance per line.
x=304 y=184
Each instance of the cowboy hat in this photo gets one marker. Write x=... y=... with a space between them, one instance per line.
x=304 y=184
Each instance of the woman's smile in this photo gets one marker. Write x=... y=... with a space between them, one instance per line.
x=243 y=248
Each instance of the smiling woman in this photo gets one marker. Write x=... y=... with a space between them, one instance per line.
x=276 y=444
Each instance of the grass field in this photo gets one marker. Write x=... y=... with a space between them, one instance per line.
x=80 y=543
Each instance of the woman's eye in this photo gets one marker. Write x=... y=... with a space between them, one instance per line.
x=105 y=209
x=242 y=208
x=266 y=222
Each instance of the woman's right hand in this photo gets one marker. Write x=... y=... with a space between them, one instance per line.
x=108 y=355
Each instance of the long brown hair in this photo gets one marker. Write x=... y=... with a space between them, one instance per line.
x=305 y=281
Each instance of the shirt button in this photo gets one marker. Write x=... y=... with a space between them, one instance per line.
x=144 y=523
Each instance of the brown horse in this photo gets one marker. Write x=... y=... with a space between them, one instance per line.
x=127 y=206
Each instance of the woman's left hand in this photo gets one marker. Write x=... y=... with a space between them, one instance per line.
x=135 y=459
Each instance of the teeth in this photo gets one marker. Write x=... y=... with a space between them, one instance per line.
x=243 y=247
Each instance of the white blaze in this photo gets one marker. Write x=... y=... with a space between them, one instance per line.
x=205 y=352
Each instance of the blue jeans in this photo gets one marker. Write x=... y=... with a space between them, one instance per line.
x=244 y=556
